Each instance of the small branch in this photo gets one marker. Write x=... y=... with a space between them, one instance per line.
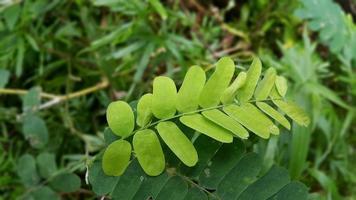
x=56 y=99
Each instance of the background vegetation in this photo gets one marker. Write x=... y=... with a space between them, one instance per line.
x=63 y=62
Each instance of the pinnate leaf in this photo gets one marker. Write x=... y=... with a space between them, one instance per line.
x=270 y=111
x=266 y=84
x=281 y=85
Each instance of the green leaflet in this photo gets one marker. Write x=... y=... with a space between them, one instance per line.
x=120 y=118
x=270 y=111
x=144 y=113
x=281 y=85
x=164 y=97
x=253 y=74
x=266 y=84
x=149 y=152
x=227 y=122
x=116 y=158
x=178 y=143
x=188 y=94
x=253 y=119
x=217 y=83
x=203 y=125
x=230 y=92
x=291 y=109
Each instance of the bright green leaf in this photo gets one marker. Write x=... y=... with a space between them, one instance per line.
x=149 y=152
x=266 y=84
x=116 y=158
x=159 y=8
x=164 y=97
x=226 y=122
x=281 y=85
x=252 y=118
x=203 y=125
x=188 y=94
x=270 y=111
x=100 y=183
x=120 y=118
x=217 y=83
x=291 y=109
x=175 y=139
x=230 y=92
x=253 y=75
x=144 y=113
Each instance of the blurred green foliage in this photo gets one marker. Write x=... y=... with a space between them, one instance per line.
x=62 y=62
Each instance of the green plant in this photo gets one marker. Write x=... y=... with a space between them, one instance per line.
x=198 y=103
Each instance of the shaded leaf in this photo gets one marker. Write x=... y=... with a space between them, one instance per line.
x=265 y=187
x=188 y=94
x=35 y=130
x=26 y=170
x=46 y=164
x=149 y=152
x=299 y=191
x=174 y=189
x=4 y=77
x=45 y=193
x=164 y=97
x=240 y=177
x=66 y=182
x=203 y=125
x=178 y=143
x=32 y=99
x=217 y=83
x=116 y=158
x=219 y=166
x=120 y=118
